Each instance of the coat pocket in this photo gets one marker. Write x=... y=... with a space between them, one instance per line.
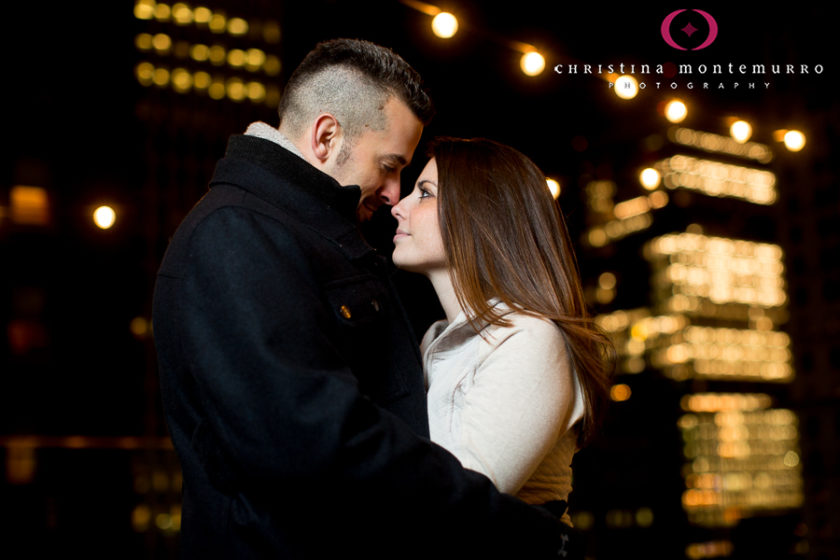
x=364 y=315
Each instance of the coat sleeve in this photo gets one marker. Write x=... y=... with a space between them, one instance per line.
x=286 y=412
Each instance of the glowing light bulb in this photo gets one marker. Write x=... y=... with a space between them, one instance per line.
x=104 y=217
x=740 y=131
x=626 y=87
x=649 y=178
x=676 y=111
x=444 y=25
x=794 y=140
x=532 y=63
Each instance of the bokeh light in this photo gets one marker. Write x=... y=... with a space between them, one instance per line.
x=104 y=217
x=676 y=111
x=620 y=392
x=626 y=87
x=532 y=63
x=445 y=25
x=740 y=131
x=650 y=178
x=794 y=140
x=553 y=186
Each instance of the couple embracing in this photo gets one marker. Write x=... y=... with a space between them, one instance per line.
x=308 y=422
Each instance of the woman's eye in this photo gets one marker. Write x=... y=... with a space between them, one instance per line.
x=424 y=193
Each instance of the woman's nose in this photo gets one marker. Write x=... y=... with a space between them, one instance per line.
x=397 y=210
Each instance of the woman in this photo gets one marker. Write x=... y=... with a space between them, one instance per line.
x=517 y=373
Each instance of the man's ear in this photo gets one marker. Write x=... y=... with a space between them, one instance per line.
x=326 y=136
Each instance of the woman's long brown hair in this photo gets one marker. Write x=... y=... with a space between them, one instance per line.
x=506 y=238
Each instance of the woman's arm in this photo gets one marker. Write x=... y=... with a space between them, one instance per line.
x=522 y=399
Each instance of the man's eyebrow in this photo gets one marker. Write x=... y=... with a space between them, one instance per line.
x=400 y=159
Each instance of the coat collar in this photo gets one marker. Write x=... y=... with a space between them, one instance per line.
x=287 y=181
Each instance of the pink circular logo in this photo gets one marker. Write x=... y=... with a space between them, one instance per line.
x=689 y=30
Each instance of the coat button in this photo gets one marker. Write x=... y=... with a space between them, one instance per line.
x=345 y=311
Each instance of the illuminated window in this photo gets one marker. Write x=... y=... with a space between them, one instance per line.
x=271 y=32
x=182 y=14
x=255 y=59
x=237 y=26
x=143 y=41
x=162 y=12
x=255 y=91
x=719 y=179
x=742 y=457
x=236 y=89
x=715 y=143
x=145 y=72
x=217 y=23
x=160 y=77
x=162 y=42
x=144 y=9
x=168 y=41
x=201 y=80
x=200 y=52
x=202 y=15
x=29 y=205
x=236 y=58
x=719 y=270
x=272 y=65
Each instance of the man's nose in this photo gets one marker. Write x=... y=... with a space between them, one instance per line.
x=390 y=193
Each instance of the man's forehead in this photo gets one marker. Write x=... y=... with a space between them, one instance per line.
x=398 y=140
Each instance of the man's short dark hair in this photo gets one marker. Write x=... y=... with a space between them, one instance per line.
x=351 y=79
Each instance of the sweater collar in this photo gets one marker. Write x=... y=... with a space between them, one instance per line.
x=268 y=132
x=443 y=336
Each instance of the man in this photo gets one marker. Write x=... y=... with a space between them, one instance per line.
x=291 y=380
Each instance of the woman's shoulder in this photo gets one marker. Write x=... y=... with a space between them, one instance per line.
x=526 y=324
x=527 y=335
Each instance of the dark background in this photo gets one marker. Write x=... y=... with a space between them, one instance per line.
x=79 y=124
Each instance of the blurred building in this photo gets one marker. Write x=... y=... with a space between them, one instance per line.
x=693 y=289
